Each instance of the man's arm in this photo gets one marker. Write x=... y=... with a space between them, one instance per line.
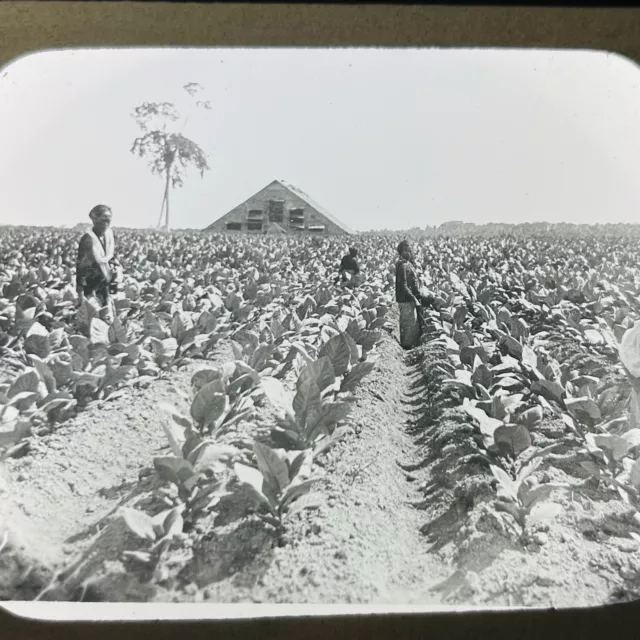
x=415 y=289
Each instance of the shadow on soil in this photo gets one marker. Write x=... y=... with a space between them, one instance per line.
x=456 y=477
x=239 y=548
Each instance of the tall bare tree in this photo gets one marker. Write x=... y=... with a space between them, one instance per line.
x=168 y=152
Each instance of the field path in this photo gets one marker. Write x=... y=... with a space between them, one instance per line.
x=365 y=545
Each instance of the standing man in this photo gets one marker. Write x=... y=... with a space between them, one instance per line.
x=97 y=269
x=410 y=298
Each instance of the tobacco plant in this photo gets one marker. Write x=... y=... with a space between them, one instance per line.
x=280 y=485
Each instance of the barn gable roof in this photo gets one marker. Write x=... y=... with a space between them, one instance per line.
x=319 y=208
x=303 y=196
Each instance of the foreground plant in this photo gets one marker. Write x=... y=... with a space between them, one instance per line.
x=157 y=532
x=323 y=396
x=196 y=467
x=281 y=484
x=311 y=414
x=524 y=499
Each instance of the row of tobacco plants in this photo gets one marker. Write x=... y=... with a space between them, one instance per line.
x=541 y=331
x=304 y=360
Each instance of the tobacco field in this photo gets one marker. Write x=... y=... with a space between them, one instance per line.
x=247 y=431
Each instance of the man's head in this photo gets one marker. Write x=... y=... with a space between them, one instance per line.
x=353 y=252
x=405 y=250
x=101 y=216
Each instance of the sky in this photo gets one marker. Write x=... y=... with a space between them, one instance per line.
x=382 y=138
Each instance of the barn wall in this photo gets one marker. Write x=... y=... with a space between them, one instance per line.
x=260 y=201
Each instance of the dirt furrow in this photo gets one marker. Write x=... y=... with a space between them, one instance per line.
x=365 y=545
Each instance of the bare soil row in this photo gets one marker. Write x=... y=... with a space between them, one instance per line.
x=408 y=516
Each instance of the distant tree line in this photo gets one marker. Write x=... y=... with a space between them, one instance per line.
x=470 y=229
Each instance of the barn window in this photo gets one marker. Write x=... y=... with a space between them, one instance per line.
x=296 y=217
x=254 y=226
x=255 y=214
x=316 y=228
x=234 y=226
x=276 y=210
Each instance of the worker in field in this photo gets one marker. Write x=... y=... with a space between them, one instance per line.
x=98 y=272
x=349 y=270
x=410 y=298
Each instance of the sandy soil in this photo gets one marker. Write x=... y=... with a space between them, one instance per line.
x=63 y=491
x=408 y=516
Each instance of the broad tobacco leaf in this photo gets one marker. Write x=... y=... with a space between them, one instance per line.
x=175 y=428
x=99 y=332
x=173 y=469
x=615 y=446
x=550 y=390
x=273 y=465
x=321 y=371
x=170 y=522
x=27 y=381
x=487 y=425
x=505 y=404
x=322 y=418
x=181 y=323
x=505 y=483
x=355 y=376
x=259 y=357
x=583 y=406
x=517 y=438
x=630 y=350
x=139 y=523
x=12 y=432
x=529 y=357
x=306 y=398
x=297 y=490
x=209 y=404
x=324 y=444
x=37 y=341
x=205 y=376
x=482 y=375
x=81 y=347
x=253 y=480
x=513 y=347
x=300 y=464
x=339 y=352
x=117 y=332
x=462 y=379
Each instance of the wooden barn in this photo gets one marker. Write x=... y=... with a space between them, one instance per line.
x=280 y=208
